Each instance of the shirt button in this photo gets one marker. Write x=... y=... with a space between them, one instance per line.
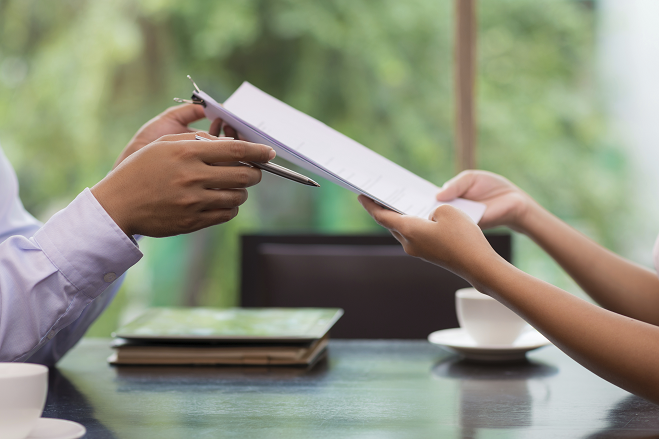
x=110 y=277
x=51 y=334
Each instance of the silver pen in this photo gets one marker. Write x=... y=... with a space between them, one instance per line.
x=274 y=169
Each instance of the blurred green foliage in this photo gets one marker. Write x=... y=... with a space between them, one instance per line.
x=78 y=77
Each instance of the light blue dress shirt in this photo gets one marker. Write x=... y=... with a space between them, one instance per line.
x=55 y=278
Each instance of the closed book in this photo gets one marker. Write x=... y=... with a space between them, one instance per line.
x=130 y=352
x=232 y=336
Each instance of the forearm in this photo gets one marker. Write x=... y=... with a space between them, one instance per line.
x=612 y=281
x=619 y=349
x=47 y=281
x=51 y=351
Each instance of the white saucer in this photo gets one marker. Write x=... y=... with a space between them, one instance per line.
x=457 y=340
x=49 y=428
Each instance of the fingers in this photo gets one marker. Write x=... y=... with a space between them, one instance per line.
x=232 y=151
x=219 y=207
x=191 y=135
x=385 y=217
x=201 y=211
x=210 y=136
x=400 y=238
x=230 y=132
x=457 y=186
x=201 y=220
x=185 y=114
x=218 y=125
x=179 y=137
x=216 y=128
x=446 y=211
x=218 y=216
x=223 y=199
x=222 y=149
x=226 y=177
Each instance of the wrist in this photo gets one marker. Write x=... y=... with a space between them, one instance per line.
x=526 y=215
x=111 y=207
x=473 y=268
x=485 y=273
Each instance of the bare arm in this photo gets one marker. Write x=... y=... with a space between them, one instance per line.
x=621 y=350
x=617 y=348
x=612 y=281
x=615 y=283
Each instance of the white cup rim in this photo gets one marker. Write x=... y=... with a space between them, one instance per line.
x=18 y=370
x=472 y=293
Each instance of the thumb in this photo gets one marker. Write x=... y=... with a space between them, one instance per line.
x=447 y=192
x=185 y=114
x=457 y=186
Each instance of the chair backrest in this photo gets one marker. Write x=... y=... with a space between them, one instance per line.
x=385 y=293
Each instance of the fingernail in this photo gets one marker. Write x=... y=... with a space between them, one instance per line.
x=272 y=154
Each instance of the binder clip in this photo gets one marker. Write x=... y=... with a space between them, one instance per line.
x=195 y=99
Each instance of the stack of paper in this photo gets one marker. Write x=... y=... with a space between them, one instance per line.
x=272 y=336
x=314 y=146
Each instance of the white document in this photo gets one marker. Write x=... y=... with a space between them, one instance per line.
x=314 y=146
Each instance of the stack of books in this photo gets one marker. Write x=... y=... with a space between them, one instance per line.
x=234 y=336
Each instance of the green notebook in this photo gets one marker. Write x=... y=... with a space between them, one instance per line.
x=244 y=325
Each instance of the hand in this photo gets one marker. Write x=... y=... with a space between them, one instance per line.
x=174 y=120
x=218 y=125
x=449 y=238
x=506 y=203
x=174 y=185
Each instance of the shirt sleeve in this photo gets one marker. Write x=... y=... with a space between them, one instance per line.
x=49 y=279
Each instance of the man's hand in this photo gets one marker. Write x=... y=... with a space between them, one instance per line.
x=178 y=185
x=174 y=120
x=218 y=125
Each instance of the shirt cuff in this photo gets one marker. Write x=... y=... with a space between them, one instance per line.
x=87 y=246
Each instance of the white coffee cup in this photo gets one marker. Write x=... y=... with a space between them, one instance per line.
x=486 y=320
x=23 y=389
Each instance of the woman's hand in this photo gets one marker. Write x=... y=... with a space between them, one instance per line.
x=449 y=238
x=507 y=204
x=174 y=120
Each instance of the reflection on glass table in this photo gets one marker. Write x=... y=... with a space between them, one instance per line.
x=372 y=388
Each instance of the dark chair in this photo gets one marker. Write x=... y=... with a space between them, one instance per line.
x=385 y=293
